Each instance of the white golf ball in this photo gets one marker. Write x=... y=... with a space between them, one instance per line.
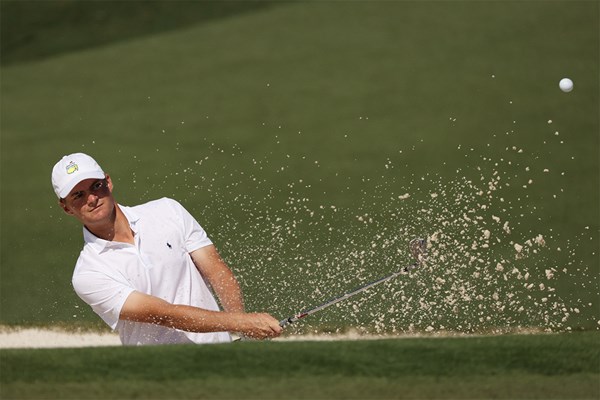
x=566 y=85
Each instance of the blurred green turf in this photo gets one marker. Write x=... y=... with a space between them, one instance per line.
x=34 y=30
x=505 y=367
x=308 y=103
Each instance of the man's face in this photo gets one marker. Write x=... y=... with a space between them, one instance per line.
x=90 y=201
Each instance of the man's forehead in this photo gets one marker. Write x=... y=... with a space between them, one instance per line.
x=84 y=185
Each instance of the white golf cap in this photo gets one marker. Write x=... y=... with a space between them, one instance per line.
x=71 y=170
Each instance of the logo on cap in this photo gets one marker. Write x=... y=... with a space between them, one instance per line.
x=72 y=167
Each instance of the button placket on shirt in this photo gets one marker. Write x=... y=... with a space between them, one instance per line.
x=138 y=248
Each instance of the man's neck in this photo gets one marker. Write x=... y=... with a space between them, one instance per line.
x=117 y=229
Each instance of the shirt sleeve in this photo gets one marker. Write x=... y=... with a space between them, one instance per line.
x=104 y=294
x=194 y=235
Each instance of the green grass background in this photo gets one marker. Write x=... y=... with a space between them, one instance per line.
x=234 y=108
x=507 y=367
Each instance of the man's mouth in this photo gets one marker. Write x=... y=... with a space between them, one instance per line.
x=95 y=208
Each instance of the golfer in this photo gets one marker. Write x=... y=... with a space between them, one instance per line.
x=150 y=271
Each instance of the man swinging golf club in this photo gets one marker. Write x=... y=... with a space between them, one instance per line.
x=146 y=270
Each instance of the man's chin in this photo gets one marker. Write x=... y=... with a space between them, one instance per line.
x=99 y=213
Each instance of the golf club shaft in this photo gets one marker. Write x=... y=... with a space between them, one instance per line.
x=291 y=320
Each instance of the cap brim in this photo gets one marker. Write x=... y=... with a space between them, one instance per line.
x=66 y=189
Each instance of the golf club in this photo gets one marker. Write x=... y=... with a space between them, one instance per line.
x=418 y=249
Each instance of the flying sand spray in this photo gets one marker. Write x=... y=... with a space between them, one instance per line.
x=418 y=249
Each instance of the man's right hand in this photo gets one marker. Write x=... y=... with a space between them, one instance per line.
x=260 y=326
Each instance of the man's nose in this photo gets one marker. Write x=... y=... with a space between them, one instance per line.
x=92 y=198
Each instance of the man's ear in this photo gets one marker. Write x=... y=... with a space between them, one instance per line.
x=64 y=206
x=109 y=183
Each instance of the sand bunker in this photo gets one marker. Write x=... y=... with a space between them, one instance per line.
x=39 y=338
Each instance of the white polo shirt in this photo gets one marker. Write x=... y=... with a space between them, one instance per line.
x=159 y=264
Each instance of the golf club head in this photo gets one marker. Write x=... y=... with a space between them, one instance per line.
x=418 y=249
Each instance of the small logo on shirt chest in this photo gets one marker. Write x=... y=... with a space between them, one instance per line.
x=169 y=245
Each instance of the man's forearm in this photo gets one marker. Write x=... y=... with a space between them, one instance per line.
x=218 y=275
x=194 y=319
x=141 y=307
x=229 y=293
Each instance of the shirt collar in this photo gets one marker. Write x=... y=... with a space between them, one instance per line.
x=101 y=245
